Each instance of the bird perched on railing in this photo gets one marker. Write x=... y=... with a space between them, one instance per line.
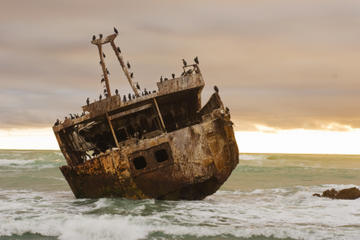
x=124 y=98
x=102 y=80
x=216 y=89
x=129 y=96
x=87 y=101
x=93 y=38
x=173 y=75
x=132 y=75
x=119 y=50
x=100 y=97
x=184 y=62
x=196 y=60
x=116 y=92
x=104 y=55
x=161 y=78
x=138 y=86
x=128 y=65
x=116 y=31
x=100 y=35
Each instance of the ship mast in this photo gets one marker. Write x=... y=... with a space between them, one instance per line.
x=110 y=39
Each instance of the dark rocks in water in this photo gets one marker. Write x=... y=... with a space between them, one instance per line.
x=348 y=193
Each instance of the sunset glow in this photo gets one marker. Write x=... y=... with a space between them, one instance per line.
x=269 y=141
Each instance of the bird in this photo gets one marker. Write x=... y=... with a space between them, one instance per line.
x=107 y=71
x=116 y=31
x=216 y=89
x=128 y=65
x=133 y=96
x=161 y=79
x=104 y=55
x=100 y=97
x=173 y=75
x=124 y=98
x=196 y=60
x=93 y=38
x=132 y=75
x=76 y=115
x=71 y=116
x=129 y=96
x=227 y=109
x=184 y=62
x=105 y=91
x=119 y=50
x=137 y=86
x=100 y=62
x=165 y=79
x=100 y=35
x=87 y=101
x=154 y=91
x=116 y=92
x=102 y=80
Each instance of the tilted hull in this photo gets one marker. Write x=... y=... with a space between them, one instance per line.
x=190 y=163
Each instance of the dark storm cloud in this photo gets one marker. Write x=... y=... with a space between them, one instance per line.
x=285 y=64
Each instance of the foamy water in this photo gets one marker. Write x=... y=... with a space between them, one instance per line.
x=259 y=201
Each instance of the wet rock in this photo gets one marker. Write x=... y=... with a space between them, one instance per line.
x=348 y=193
x=330 y=193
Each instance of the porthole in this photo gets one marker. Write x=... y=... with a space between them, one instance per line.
x=161 y=155
x=139 y=162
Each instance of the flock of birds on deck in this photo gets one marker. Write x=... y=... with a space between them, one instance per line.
x=130 y=96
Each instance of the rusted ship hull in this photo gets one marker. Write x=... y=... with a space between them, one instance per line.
x=162 y=144
x=199 y=160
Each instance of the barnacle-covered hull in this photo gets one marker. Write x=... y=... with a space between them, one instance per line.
x=197 y=162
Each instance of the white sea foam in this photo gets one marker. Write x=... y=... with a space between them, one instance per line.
x=15 y=162
x=252 y=157
x=280 y=212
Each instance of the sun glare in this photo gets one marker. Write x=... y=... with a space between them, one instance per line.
x=300 y=141
x=42 y=138
x=266 y=140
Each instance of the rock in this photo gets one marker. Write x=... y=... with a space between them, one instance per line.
x=330 y=193
x=348 y=193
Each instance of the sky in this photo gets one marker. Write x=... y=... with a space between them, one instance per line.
x=282 y=66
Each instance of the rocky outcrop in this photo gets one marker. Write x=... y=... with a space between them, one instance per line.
x=348 y=193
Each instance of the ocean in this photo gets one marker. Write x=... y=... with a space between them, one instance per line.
x=268 y=196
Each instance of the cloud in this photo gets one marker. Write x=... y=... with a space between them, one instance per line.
x=281 y=64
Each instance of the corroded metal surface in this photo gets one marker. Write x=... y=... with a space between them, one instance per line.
x=162 y=144
x=202 y=158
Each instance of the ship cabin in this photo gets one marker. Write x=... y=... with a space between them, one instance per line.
x=111 y=123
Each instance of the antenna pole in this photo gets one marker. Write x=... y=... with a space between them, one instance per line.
x=124 y=68
x=102 y=63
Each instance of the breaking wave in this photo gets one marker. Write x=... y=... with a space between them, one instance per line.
x=264 y=213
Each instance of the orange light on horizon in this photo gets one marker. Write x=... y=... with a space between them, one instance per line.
x=266 y=140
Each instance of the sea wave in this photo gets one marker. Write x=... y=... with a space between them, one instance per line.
x=272 y=213
x=15 y=162
x=27 y=164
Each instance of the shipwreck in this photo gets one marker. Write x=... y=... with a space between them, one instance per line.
x=162 y=144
